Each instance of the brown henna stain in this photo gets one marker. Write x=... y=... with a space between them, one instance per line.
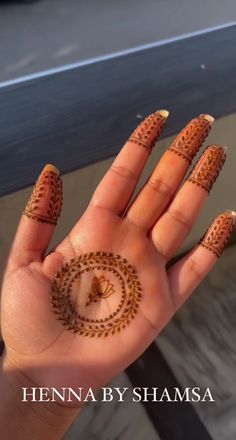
x=116 y=321
x=191 y=138
x=147 y=133
x=101 y=288
x=45 y=201
x=208 y=167
x=218 y=234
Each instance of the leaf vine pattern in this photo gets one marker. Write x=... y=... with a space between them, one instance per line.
x=218 y=234
x=147 y=133
x=45 y=201
x=191 y=138
x=130 y=289
x=208 y=167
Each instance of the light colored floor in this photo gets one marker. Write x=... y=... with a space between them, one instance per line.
x=51 y=33
x=200 y=346
x=114 y=420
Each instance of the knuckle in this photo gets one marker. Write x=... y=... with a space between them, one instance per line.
x=160 y=186
x=194 y=269
x=123 y=171
x=179 y=217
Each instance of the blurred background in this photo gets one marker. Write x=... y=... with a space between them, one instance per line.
x=75 y=79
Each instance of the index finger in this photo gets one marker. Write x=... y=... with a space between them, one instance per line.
x=117 y=186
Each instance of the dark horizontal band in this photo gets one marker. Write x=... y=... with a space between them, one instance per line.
x=80 y=116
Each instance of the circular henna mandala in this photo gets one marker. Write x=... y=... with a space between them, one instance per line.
x=96 y=294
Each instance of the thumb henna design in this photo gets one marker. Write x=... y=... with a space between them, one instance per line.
x=45 y=201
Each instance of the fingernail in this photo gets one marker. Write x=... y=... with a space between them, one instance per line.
x=147 y=133
x=208 y=167
x=209 y=118
x=191 y=138
x=163 y=113
x=218 y=234
x=45 y=201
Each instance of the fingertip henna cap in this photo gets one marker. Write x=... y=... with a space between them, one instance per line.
x=219 y=232
x=192 y=137
x=147 y=133
x=208 y=167
x=45 y=201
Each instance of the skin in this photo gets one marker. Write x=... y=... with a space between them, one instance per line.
x=39 y=351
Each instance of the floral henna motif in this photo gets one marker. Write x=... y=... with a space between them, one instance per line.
x=45 y=202
x=219 y=232
x=147 y=133
x=128 y=295
x=191 y=138
x=208 y=167
x=101 y=288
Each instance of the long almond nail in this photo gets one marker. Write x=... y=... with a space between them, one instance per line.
x=45 y=202
x=147 y=133
x=219 y=232
x=208 y=167
x=191 y=138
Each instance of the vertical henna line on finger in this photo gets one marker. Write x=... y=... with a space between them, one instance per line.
x=208 y=167
x=128 y=294
x=45 y=201
x=192 y=137
x=218 y=234
x=147 y=133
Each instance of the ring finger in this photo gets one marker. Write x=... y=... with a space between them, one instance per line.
x=174 y=225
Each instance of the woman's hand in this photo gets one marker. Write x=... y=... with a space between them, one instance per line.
x=146 y=233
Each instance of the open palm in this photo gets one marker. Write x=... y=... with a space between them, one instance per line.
x=145 y=233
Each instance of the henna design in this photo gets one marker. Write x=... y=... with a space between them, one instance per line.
x=45 y=201
x=128 y=295
x=218 y=234
x=101 y=288
x=208 y=167
x=191 y=138
x=147 y=133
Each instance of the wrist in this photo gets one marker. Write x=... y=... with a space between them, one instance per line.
x=31 y=419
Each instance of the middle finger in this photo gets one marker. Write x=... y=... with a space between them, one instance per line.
x=159 y=189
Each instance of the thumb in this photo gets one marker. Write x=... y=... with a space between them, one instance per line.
x=39 y=218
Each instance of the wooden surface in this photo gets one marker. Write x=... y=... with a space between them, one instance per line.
x=81 y=116
x=79 y=185
x=200 y=346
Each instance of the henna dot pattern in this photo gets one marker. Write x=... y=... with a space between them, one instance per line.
x=96 y=294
